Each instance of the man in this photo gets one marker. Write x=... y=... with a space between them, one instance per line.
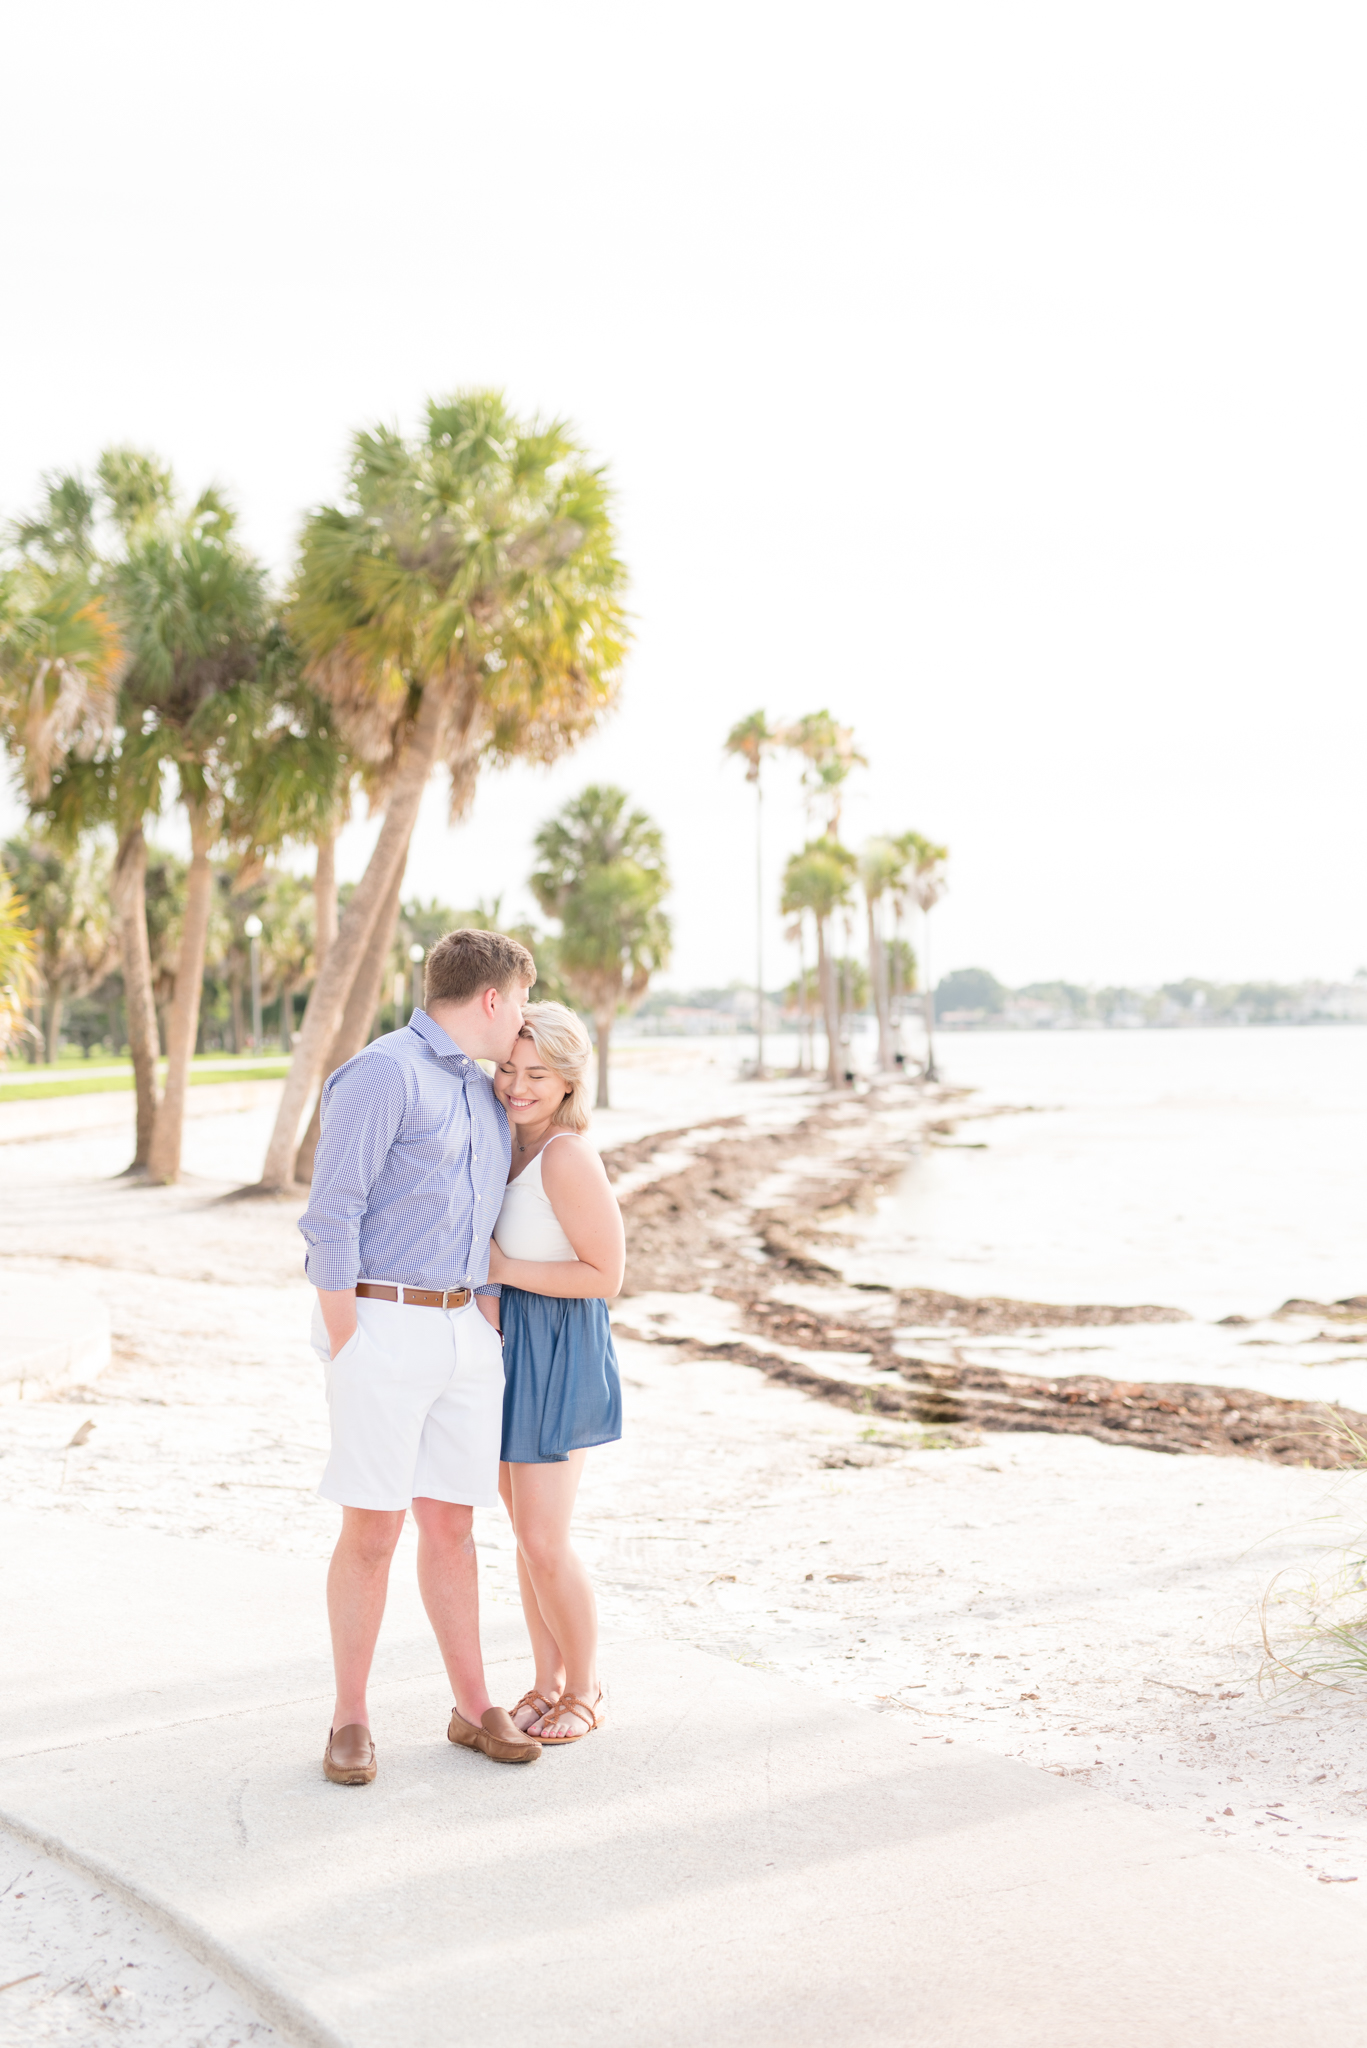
x=407 y=1184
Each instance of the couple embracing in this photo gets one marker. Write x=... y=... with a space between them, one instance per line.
x=465 y=1243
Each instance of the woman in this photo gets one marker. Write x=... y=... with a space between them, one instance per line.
x=559 y=1251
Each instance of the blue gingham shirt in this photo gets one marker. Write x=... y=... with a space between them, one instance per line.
x=410 y=1169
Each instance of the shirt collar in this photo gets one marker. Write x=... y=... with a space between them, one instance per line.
x=432 y=1034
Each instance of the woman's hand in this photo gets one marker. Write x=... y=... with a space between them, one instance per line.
x=498 y=1265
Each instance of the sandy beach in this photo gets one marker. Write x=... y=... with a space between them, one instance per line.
x=1089 y=1608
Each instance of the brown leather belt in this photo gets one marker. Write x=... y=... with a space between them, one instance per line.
x=416 y=1297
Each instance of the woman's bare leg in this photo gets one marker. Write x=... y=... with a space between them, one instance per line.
x=542 y=1505
x=550 y=1665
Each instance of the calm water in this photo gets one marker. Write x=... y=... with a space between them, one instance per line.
x=1216 y=1171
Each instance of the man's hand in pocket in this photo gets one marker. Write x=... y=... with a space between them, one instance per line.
x=339 y=1316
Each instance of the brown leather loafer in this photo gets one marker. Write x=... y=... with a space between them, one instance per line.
x=349 y=1758
x=497 y=1735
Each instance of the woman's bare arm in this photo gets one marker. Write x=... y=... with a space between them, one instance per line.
x=586 y=1209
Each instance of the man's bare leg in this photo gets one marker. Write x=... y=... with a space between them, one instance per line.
x=550 y=1665
x=358 y=1580
x=448 y=1579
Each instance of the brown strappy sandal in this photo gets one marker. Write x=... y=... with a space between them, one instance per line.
x=571 y=1703
x=539 y=1702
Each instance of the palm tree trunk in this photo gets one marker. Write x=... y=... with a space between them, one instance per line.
x=140 y=1009
x=324 y=897
x=163 y=1160
x=333 y=984
x=54 y=1025
x=932 y=1071
x=878 y=975
x=825 y=974
x=354 y=1030
x=759 y=924
x=803 y=1021
x=602 y=1023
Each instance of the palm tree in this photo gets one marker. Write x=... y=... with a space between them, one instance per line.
x=354 y=1028
x=292 y=778
x=69 y=908
x=828 y=754
x=192 y=605
x=93 y=763
x=796 y=935
x=927 y=883
x=463 y=605
x=287 y=913
x=817 y=881
x=59 y=663
x=751 y=739
x=602 y=873
x=59 y=629
x=18 y=965
x=880 y=864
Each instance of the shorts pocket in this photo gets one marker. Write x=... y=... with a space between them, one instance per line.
x=343 y=1358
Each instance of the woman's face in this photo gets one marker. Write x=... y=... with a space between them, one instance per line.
x=529 y=1091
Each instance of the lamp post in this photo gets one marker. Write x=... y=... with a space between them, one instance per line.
x=252 y=928
x=417 y=955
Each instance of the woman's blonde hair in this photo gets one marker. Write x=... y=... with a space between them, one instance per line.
x=564 y=1046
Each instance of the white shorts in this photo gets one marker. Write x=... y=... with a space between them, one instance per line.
x=415 y=1399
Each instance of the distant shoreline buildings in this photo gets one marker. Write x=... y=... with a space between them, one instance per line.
x=971 y=999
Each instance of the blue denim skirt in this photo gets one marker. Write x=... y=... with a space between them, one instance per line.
x=562 y=1391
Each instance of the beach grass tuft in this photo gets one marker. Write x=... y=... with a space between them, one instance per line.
x=1314 y=1623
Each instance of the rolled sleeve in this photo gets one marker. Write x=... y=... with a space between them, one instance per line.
x=493 y=1288
x=363 y=1111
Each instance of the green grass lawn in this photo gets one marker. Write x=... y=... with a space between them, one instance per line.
x=214 y=1070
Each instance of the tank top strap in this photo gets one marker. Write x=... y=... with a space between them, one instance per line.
x=551 y=1140
x=532 y=1171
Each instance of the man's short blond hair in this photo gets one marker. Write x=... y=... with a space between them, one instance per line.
x=465 y=963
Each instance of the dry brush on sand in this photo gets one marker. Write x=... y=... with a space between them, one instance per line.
x=750 y=1211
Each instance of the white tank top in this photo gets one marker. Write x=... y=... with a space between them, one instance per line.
x=527 y=1226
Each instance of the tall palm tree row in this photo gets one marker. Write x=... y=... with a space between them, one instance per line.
x=901 y=870
x=461 y=606
x=180 y=695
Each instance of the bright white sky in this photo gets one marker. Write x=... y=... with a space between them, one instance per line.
x=992 y=375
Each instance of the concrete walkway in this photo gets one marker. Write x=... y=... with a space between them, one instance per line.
x=731 y=1861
